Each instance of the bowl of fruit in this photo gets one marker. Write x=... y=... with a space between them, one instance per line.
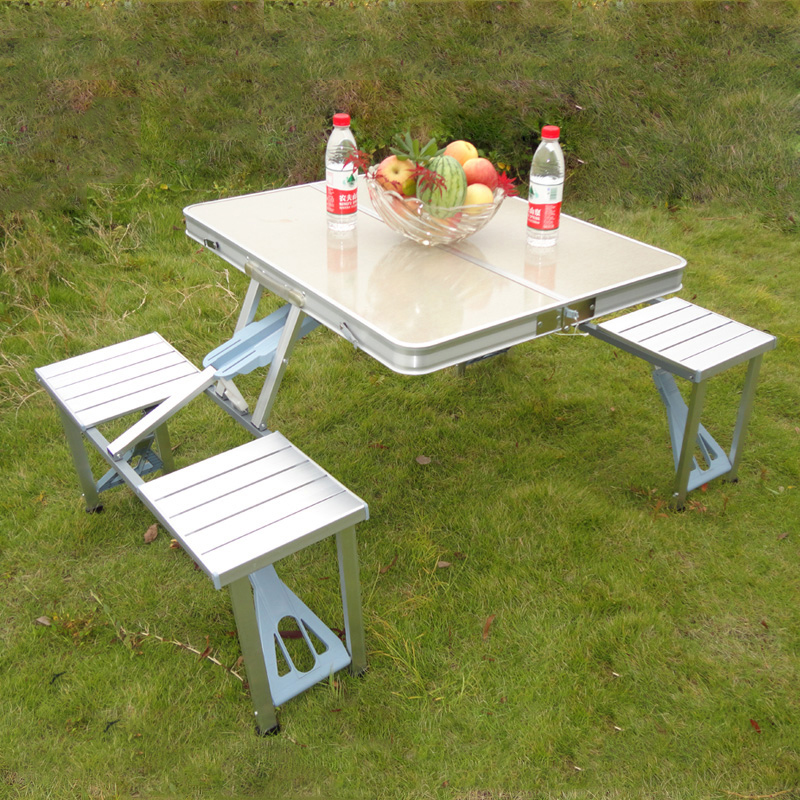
x=435 y=196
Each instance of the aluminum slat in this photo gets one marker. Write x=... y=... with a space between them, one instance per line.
x=644 y=332
x=730 y=353
x=109 y=366
x=241 y=456
x=243 y=509
x=242 y=556
x=95 y=380
x=233 y=493
x=107 y=406
x=228 y=527
x=135 y=385
x=53 y=371
x=729 y=332
x=621 y=325
x=668 y=340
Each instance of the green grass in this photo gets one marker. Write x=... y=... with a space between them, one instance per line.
x=632 y=652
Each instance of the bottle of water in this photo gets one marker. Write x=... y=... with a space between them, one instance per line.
x=341 y=178
x=546 y=189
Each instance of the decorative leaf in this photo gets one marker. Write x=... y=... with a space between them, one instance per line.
x=359 y=159
x=428 y=180
x=508 y=185
x=151 y=533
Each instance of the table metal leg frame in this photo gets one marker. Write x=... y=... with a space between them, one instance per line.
x=278 y=366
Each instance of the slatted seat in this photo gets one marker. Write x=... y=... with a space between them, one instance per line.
x=148 y=374
x=106 y=384
x=682 y=339
x=236 y=514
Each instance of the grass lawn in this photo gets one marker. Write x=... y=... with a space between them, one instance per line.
x=539 y=623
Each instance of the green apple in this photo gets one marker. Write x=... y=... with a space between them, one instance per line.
x=397 y=174
x=478 y=194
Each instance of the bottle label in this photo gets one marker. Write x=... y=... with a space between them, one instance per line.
x=544 y=205
x=341 y=193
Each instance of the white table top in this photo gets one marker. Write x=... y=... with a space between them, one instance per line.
x=418 y=309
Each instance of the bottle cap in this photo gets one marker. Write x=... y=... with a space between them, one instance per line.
x=550 y=132
x=341 y=119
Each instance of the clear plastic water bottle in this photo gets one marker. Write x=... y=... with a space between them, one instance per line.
x=546 y=189
x=341 y=178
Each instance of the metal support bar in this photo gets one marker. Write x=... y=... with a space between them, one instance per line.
x=461 y=368
x=227 y=389
x=249 y=306
x=250 y=641
x=80 y=459
x=164 y=448
x=242 y=417
x=125 y=470
x=147 y=461
x=191 y=387
x=350 y=584
x=743 y=416
x=685 y=462
x=278 y=367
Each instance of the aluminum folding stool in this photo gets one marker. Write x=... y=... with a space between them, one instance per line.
x=682 y=339
x=236 y=513
x=101 y=386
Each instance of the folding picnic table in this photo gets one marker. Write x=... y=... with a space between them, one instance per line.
x=415 y=309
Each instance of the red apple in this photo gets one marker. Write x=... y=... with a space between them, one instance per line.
x=461 y=151
x=397 y=174
x=481 y=170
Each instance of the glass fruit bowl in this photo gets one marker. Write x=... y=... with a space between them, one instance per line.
x=408 y=216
